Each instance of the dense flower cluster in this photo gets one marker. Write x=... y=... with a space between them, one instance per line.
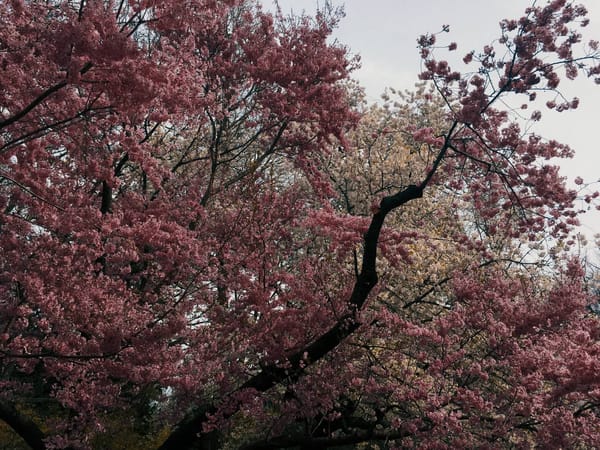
x=202 y=224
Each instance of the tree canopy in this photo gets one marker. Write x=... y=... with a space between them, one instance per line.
x=210 y=240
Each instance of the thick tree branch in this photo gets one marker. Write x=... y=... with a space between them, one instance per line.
x=23 y=426
x=188 y=432
x=105 y=206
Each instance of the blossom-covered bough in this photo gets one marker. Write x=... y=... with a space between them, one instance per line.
x=185 y=226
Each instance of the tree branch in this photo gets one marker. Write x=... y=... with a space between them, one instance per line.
x=329 y=442
x=40 y=98
x=187 y=434
x=23 y=426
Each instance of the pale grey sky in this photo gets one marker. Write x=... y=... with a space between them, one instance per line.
x=384 y=33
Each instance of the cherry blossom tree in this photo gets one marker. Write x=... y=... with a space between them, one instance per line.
x=194 y=220
x=136 y=138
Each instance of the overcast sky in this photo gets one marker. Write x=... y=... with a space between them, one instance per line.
x=384 y=33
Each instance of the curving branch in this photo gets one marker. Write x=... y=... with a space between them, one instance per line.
x=187 y=434
x=23 y=426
